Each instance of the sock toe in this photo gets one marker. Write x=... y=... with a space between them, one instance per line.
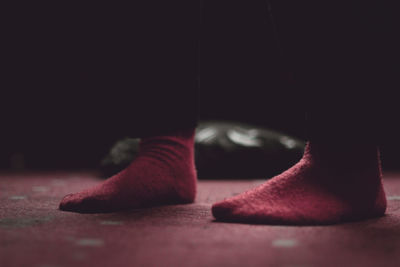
x=223 y=210
x=69 y=202
x=65 y=202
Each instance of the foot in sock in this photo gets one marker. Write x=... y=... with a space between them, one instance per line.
x=328 y=185
x=162 y=173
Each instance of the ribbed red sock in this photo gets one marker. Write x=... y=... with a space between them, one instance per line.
x=330 y=184
x=162 y=173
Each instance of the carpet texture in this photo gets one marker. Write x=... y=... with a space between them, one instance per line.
x=33 y=232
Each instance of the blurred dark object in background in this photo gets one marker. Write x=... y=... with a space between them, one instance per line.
x=237 y=150
x=224 y=150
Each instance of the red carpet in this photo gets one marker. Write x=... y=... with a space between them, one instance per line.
x=34 y=233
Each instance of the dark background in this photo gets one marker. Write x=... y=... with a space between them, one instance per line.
x=44 y=121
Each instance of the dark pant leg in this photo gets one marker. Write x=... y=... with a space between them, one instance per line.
x=81 y=75
x=148 y=68
x=343 y=58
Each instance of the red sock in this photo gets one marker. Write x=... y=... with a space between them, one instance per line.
x=162 y=173
x=328 y=185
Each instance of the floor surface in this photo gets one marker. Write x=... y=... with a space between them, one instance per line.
x=33 y=232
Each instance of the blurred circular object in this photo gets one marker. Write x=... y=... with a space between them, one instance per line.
x=224 y=150
x=238 y=150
